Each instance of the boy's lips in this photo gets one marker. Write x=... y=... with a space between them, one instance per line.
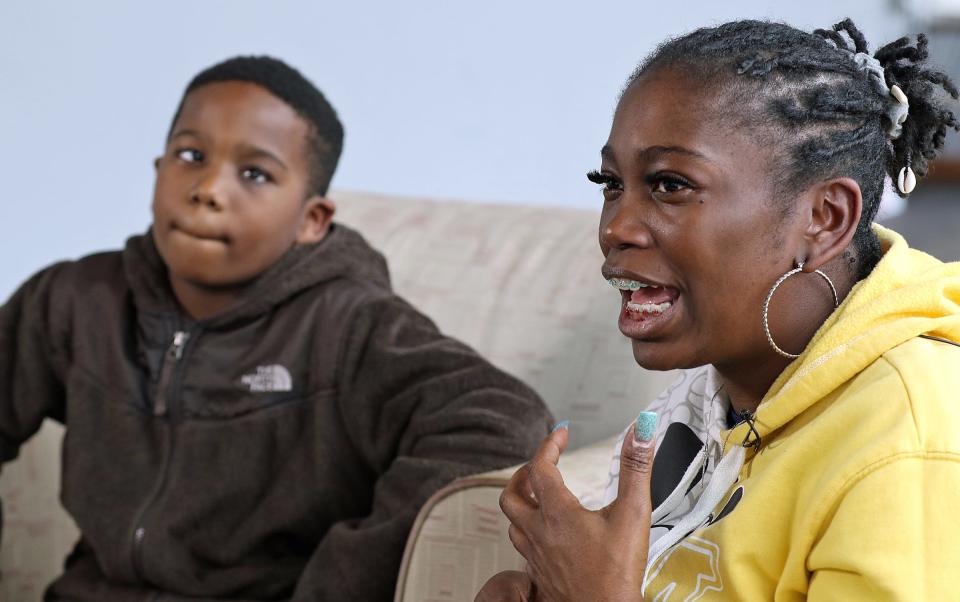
x=199 y=233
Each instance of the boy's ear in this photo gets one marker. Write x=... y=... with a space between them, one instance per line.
x=317 y=216
x=834 y=210
x=156 y=164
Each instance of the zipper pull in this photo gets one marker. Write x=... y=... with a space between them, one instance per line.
x=179 y=341
x=173 y=355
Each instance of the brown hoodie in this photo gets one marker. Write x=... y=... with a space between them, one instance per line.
x=278 y=450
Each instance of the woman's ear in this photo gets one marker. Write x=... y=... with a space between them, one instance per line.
x=316 y=219
x=833 y=213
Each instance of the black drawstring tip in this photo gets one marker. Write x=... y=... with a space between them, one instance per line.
x=753 y=437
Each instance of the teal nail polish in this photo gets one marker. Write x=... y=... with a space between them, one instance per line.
x=646 y=426
x=563 y=424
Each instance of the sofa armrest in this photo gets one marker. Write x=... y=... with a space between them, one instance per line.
x=459 y=539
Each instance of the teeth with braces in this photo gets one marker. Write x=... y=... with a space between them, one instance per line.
x=650 y=308
x=625 y=284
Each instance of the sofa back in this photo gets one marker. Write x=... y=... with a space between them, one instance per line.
x=521 y=284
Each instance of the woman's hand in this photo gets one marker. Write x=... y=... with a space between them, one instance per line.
x=574 y=554
x=508 y=586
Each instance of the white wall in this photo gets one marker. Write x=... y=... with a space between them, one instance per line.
x=495 y=100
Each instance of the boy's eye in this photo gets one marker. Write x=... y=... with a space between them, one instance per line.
x=189 y=155
x=255 y=174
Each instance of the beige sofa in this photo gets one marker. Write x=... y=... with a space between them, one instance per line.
x=460 y=537
x=522 y=285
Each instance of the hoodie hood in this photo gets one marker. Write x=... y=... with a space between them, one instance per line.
x=343 y=253
x=908 y=293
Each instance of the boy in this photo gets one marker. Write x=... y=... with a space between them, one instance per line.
x=251 y=413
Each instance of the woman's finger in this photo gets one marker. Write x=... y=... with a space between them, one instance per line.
x=554 y=444
x=519 y=485
x=520 y=541
x=508 y=586
x=633 y=504
x=549 y=451
x=517 y=504
x=548 y=488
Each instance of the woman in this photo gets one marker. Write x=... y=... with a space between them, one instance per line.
x=811 y=449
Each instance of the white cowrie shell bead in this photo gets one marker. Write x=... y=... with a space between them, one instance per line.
x=906 y=180
x=897 y=93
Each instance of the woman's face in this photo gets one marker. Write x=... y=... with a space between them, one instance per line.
x=689 y=209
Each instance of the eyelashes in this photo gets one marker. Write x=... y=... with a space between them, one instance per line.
x=661 y=184
x=607 y=181
x=189 y=155
x=257 y=175
x=599 y=178
x=668 y=183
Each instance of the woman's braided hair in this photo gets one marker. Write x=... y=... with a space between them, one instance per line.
x=805 y=95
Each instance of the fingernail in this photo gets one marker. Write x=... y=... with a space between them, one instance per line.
x=563 y=424
x=646 y=426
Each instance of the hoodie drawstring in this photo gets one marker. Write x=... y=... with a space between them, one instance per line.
x=725 y=475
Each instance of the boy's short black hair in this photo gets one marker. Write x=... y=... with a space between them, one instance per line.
x=325 y=138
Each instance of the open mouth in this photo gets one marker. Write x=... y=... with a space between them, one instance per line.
x=642 y=298
x=645 y=306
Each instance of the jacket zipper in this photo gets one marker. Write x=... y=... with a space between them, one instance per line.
x=160 y=408
x=170 y=360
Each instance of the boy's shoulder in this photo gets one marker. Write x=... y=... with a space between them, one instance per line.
x=91 y=271
x=343 y=267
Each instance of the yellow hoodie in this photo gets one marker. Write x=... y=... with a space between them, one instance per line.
x=854 y=491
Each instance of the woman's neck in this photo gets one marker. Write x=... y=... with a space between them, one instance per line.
x=747 y=384
x=748 y=379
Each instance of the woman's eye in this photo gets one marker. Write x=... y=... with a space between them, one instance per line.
x=189 y=155
x=662 y=184
x=607 y=182
x=255 y=174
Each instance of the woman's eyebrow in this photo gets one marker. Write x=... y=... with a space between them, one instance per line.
x=654 y=151
x=650 y=152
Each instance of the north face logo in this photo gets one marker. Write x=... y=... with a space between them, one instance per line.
x=268 y=379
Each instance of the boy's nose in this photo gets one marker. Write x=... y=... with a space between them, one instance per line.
x=206 y=198
x=209 y=192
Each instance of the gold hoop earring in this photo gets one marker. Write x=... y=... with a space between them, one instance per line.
x=766 y=306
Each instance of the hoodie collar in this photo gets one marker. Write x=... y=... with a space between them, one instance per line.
x=343 y=253
x=907 y=294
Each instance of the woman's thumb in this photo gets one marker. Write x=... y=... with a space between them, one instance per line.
x=636 y=468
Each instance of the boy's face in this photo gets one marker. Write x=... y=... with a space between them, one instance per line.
x=231 y=195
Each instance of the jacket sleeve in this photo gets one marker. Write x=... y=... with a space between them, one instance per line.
x=31 y=387
x=893 y=535
x=422 y=409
